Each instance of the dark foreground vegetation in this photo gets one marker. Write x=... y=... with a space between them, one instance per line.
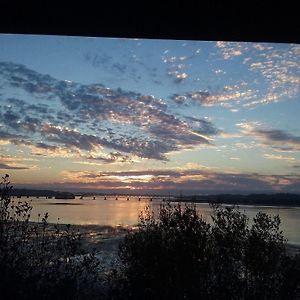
x=180 y=256
x=39 y=263
x=176 y=255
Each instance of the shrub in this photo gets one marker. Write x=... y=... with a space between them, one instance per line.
x=180 y=256
x=39 y=262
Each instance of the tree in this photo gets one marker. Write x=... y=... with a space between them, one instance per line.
x=37 y=262
x=180 y=256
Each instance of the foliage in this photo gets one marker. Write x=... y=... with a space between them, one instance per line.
x=181 y=256
x=37 y=261
x=175 y=255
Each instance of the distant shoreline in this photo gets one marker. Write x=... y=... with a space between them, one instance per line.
x=276 y=199
x=41 y=193
x=279 y=199
x=283 y=205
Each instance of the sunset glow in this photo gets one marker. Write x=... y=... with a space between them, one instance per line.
x=156 y=116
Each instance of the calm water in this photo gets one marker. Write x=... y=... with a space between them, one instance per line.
x=122 y=212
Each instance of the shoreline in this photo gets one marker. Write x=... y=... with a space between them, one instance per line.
x=259 y=199
x=104 y=241
x=106 y=237
x=292 y=248
x=281 y=205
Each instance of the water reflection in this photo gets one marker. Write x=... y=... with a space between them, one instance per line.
x=125 y=211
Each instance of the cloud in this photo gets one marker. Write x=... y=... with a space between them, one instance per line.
x=227 y=98
x=69 y=137
x=279 y=69
x=231 y=135
x=72 y=138
x=275 y=68
x=176 y=68
x=276 y=138
x=95 y=116
x=189 y=180
x=98 y=59
x=296 y=166
x=6 y=136
x=120 y=67
x=8 y=167
x=132 y=67
x=279 y=157
x=202 y=97
x=10 y=162
x=230 y=50
x=203 y=126
x=112 y=157
x=179 y=99
x=179 y=77
x=46 y=150
x=14 y=120
x=11 y=158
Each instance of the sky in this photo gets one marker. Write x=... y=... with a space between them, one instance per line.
x=149 y=116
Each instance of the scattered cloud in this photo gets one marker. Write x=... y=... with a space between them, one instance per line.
x=6 y=137
x=229 y=135
x=193 y=180
x=276 y=68
x=176 y=67
x=203 y=126
x=230 y=50
x=132 y=66
x=94 y=117
x=276 y=138
x=112 y=157
x=279 y=157
x=9 y=167
x=227 y=98
x=297 y=166
x=10 y=162
x=279 y=68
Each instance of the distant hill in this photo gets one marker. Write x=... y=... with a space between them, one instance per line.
x=279 y=199
x=41 y=193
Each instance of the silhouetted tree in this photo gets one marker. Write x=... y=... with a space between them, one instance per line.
x=37 y=263
x=180 y=256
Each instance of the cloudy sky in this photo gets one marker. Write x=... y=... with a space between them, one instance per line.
x=158 y=116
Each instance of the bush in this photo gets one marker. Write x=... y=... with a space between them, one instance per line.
x=38 y=262
x=177 y=255
x=180 y=256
